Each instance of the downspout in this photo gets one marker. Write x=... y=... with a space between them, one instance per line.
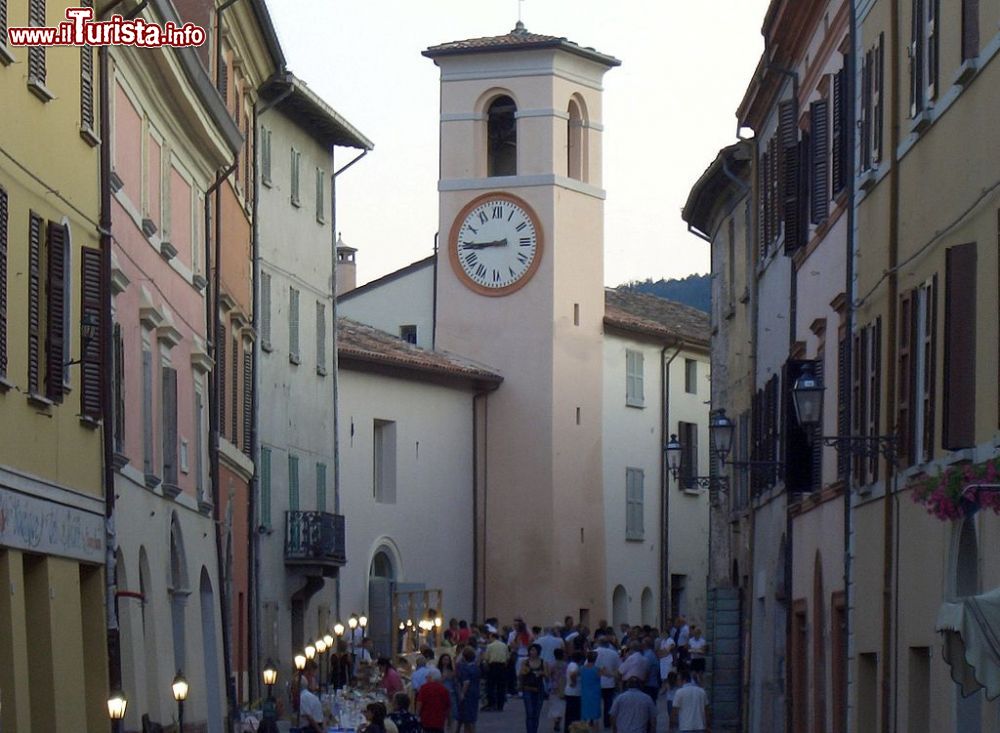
x=253 y=536
x=477 y=607
x=848 y=355
x=107 y=372
x=434 y=304
x=664 y=480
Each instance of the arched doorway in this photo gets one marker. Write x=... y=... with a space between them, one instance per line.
x=381 y=582
x=619 y=607
x=648 y=608
x=210 y=656
x=968 y=710
x=178 y=591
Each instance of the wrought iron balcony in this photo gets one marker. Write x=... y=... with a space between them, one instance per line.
x=315 y=539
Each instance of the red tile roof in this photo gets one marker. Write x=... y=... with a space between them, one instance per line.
x=517 y=39
x=367 y=344
x=650 y=315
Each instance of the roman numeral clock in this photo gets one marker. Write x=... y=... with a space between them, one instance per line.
x=495 y=244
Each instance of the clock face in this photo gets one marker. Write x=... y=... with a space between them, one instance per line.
x=496 y=244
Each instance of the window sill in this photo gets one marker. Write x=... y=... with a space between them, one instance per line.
x=967 y=71
x=921 y=122
x=90 y=137
x=691 y=492
x=633 y=403
x=320 y=220
x=89 y=422
x=39 y=89
x=321 y=371
x=5 y=384
x=6 y=57
x=152 y=480
x=40 y=401
x=265 y=182
x=294 y=359
x=296 y=203
x=634 y=539
x=266 y=346
x=205 y=506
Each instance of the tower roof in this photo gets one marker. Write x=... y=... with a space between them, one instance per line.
x=518 y=39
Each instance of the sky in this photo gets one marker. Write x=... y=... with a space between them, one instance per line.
x=668 y=109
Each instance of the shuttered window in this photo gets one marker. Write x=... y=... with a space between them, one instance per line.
x=265 y=487
x=220 y=370
x=634 y=504
x=819 y=160
x=168 y=417
x=688 y=435
x=119 y=388
x=843 y=400
x=296 y=161
x=3 y=22
x=319 y=195
x=293 y=326
x=90 y=311
x=199 y=439
x=865 y=112
x=222 y=82
x=866 y=397
x=321 y=487
x=293 y=483
x=926 y=372
x=36 y=54
x=762 y=200
x=970 y=29
x=265 y=311
x=265 y=156
x=235 y=405
x=34 y=302
x=924 y=44
x=3 y=276
x=838 y=161
x=147 y=412
x=960 y=348
x=878 y=97
x=247 y=396
x=320 y=338
x=86 y=82
x=634 y=378
x=791 y=172
x=906 y=377
x=56 y=286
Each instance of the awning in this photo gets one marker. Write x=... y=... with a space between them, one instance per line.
x=971 y=631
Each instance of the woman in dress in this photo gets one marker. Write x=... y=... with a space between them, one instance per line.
x=590 y=691
x=467 y=680
x=531 y=679
x=374 y=719
x=391 y=681
x=557 y=685
x=447 y=668
x=697 y=648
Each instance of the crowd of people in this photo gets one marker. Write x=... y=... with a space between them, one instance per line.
x=584 y=681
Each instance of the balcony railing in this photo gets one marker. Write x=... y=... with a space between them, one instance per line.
x=314 y=538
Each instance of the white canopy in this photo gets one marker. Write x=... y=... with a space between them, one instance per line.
x=971 y=631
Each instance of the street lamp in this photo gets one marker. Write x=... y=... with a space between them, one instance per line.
x=320 y=651
x=270 y=674
x=807 y=394
x=180 y=690
x=363 y=623
x=116 y=708
x=328 y=640
x=310 y=651
x=720 y=433
x=338 y=629
x=300 y=664
x=89 y=325
x=674 y=450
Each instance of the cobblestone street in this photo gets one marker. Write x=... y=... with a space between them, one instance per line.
x=511 y=720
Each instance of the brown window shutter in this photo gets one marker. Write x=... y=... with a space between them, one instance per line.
x=169 y=417
x=776 y=188
x=878 y=97
x=843 y=396
x=223 y=81
x=874 y=394
x=916 y=56
x=119 y=397
x=34 y=302
x=815 y=440
x=970 y=29
x=220 y=371
x=763 y=211
x=3 y=280
x=36 y=54
x=55 y=312
x=928 y=388
x=859 y=382
x=819 y=160
x=791 y=203
x=247 y=398
x=904 y=392
x=3 y=18
x=234 y=413
x=960 y=348
x=91 y=300
x=840 y=138
x=87 y=88
x=866 y=111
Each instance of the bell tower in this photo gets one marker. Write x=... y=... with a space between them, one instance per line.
x=520 y=287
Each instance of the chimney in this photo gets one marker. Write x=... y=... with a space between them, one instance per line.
x=347 y=272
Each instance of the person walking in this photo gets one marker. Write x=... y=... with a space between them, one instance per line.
x=433 y=704
x=531 y=678
x=690 y=706
x=698 y=649
x=652 y=683
x=446 y=665
x=608 y=663
x=495 y=656
x=590 y=691
x=633 y=711
x=571 y=692
x=557 y=686
x=468 y=691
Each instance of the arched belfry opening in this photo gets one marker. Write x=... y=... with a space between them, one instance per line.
x=501 y=137
x=575 y=162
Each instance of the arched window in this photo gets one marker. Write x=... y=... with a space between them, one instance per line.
x=574 y=142
x=648 y=607
x=619 y=607
x=501 y=138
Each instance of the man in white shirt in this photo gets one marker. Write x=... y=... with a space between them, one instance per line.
x=419 y=676
x=690 y=706
x=310 y=709
x=634 y=666
x=549 y=642
x=608 y=662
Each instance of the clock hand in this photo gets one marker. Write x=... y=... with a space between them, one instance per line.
x=483 y=245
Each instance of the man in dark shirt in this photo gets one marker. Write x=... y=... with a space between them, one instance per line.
x=406 y=722
x=433 y=703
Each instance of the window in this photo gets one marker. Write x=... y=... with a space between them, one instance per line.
x=408 y=333
x=199 y=437
x=293 y=483
x=293 y=326
x=923 y=54
x=678 y=596
x=235 y=411
x=119 y=388
x=838 y=162
x=320 y=175
x=265 y=311
x=220 y=360
x=917 y=344
x=265 y=156
x=688 y=435
x=819 y=161
x=576 y=314
x=87 y=86
x=3 y=25
x=90 y=310
x=866 y=396
x=147 y=409
x=764 y=433
x=872 y=104
x=501 y=138
x=633 y=504
x=265 y=487
x=3 y=273
x=47 y=317
x=793 y=155
x=36 y=54
x=959 y=426
x=633 y=378
x=247 y=403
x=731 y=265
x=320 y=338
x=168 y=424
x=385 y=461
x=296 y=161
x=691 y=376
x=574 y=142
x=321 y=487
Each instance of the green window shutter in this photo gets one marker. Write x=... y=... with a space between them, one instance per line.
x=293 y=483
x=321 y=487
x=265 y=487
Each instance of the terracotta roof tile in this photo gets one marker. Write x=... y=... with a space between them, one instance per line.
x=654 y=316
x=517 y=39
x=369 y=344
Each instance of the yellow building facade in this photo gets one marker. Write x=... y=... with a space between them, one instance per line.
x=53 y=652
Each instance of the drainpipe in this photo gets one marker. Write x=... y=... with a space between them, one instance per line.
x=664 y=481
x=434 y=302
x=107 y=360
x=253 y=537
x=477 y=607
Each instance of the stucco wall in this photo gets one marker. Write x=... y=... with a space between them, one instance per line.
x=404 y=300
